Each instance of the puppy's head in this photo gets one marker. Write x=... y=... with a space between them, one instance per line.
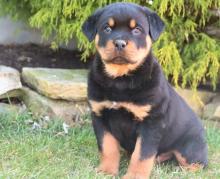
x=123 y=34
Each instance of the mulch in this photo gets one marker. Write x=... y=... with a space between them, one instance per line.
x=32 y=55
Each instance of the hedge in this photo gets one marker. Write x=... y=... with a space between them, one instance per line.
x=188 y=55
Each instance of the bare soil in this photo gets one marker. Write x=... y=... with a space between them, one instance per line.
x=32 y=55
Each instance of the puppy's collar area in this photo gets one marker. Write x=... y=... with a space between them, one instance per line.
x=114 y=105
x=139 y=111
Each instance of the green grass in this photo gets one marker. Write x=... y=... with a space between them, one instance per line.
x=49 y=154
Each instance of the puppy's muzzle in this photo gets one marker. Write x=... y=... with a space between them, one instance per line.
x=120 y=44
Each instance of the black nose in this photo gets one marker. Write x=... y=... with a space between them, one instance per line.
x=120 y=44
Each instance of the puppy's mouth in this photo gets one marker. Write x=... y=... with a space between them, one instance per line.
x=120 y=60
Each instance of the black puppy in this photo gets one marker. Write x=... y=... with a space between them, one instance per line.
x=132 y=103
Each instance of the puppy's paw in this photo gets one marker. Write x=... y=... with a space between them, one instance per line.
x=108 y=170
x=134 y=175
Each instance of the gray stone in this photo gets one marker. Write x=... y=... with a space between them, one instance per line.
x=40 y=105
x=213 y=31
x=215 y=12
x=64 y=84
x=196 y=100
x=9 y=78
x=217 y=112
x=212 y=110
x=216 y=99
x=18 y=32
x=11 y=109
x=12 y=94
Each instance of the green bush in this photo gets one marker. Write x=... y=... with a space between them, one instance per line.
x=188 y=56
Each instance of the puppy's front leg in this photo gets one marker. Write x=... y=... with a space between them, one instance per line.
x=108 y=148
x=143 y=157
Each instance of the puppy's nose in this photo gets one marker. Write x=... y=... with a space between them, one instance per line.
x=120 y=44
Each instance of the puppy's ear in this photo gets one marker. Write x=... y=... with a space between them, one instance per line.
x=89 y=26
x=155 y=22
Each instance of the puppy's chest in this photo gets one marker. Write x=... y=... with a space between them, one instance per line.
x=139 y=111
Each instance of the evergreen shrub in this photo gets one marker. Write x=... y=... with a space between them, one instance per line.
x=188 y=56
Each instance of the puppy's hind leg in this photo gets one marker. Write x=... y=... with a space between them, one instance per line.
x=191 y=153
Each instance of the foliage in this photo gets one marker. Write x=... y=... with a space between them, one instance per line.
x=185 y=52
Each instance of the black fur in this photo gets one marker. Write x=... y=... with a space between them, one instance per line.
x=120 y=11
x=171 y=125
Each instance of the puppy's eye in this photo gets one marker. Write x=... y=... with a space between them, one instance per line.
x=107 y=29
x=136 y=31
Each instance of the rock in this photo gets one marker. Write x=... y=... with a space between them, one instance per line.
x=9 y=78
x=12 y=94
x=213 y=31
x=216 y=99
x=40 y=105
x=209 y=110
x=70 y=85
x=10 y=109
x=212 y=110
x=196 y=100
x=216 y=114
x=215 y=12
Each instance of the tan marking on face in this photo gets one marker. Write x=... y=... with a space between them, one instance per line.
x=185 y=165
x=110 y=155
x=136 y=56
x=107 y=51
x=139 y=111
x=96 y=39
x=132 y=23
x=111 y=22
x=140 y=54
x=115 y=70
x=138 y=168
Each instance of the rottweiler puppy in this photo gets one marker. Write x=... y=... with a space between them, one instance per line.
x=132 y=103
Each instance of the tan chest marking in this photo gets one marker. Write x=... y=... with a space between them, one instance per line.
x=139 y=111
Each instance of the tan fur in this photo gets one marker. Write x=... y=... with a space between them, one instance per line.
x=106 y=52
x=111 y=22
x=115 y=70
x=110 y=155
x=138 y=54
x=185 y=165
x=139 y=111
x=134 y=55
x=132 y=23
x=164 y=157
x=139 y=169
x=98 y=106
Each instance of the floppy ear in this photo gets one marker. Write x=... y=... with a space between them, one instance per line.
x=89 y=26
x=155 y=22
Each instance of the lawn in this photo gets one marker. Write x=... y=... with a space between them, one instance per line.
x=48 y=153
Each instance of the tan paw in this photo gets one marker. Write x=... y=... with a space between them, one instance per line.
x=107 y=170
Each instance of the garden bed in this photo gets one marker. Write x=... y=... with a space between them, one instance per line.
x=32 y=55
